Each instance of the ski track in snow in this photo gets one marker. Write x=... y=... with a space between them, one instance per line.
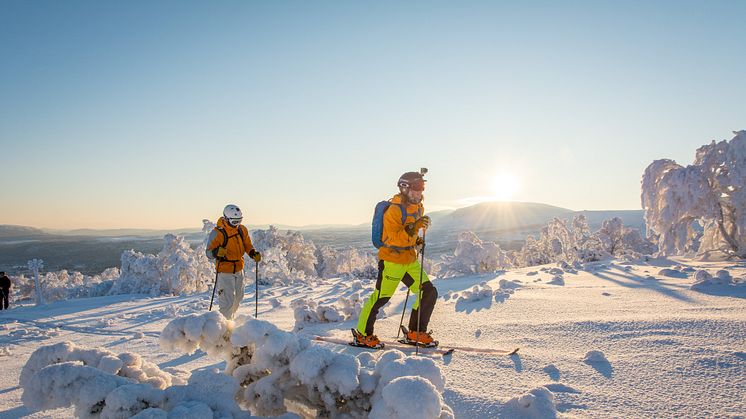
x=665 y=350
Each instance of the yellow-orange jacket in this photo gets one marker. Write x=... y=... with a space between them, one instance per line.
x=236 y=246
x=398 y=246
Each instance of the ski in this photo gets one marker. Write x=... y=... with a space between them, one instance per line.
x=439 y=350
x=387 y=345
x=406 y=341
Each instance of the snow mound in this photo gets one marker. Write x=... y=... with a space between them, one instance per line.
x=593 y=357
x=722 y=281
x=410 y=397
x=536 y=404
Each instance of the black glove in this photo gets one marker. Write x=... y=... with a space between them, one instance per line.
x=255 y=255
x=219 y=252
x=420 y=241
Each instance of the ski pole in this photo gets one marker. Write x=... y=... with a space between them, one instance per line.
x=419 y=296
x=401 y=322
x=256 y=291
x=215 y=285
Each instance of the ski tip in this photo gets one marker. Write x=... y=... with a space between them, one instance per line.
x=448 y=352
x=514 y=351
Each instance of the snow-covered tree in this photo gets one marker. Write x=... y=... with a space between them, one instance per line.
x=35 y=265
x=699 y=209
x=289 y=257
x=472 y=256
x=561 y=241
x=176 y=269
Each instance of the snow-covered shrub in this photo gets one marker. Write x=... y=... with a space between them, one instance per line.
x=97 y=392
x=176 y=269
x=289 y=257
x=63 y=285
x=126 y=365
x=472 y=256
x=273 y=366
x=698 y=209
x=285 y=257
x=573 y=243
x=308 y=311
x=348 y=262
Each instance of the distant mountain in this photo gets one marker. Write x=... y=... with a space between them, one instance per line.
x=121 y=232
x=13 y=231
x=497 y=216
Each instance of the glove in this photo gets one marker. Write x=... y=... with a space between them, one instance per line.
x=412 y=229
x=423 y=222
x=419 y=242
x=255 y=255
x=219 y=252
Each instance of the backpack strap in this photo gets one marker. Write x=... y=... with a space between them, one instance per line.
x=404 y=215
x=225 y=243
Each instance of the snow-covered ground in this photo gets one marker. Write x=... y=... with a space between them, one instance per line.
x=614 y=339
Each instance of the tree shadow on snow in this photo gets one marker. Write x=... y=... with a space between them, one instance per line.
x=15 y=412
x=722 y=290
x=182 y=360
x=640 y=282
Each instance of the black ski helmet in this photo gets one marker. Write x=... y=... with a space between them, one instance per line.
x=412 y=180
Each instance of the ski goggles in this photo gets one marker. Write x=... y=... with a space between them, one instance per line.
x=415 y=185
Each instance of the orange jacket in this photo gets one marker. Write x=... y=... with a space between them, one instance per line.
x=237 y=244
x=398 y=246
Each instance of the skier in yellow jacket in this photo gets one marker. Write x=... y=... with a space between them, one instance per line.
x=227 y=243
x=398 y=263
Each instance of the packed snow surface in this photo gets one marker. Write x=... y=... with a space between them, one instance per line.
x=616 y=339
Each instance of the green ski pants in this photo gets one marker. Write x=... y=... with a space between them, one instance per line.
x=389 y=276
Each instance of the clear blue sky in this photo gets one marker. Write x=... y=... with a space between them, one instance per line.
x=157 y=113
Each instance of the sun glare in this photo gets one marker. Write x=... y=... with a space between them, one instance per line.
x=504 y=186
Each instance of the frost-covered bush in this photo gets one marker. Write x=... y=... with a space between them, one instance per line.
x=103 y=385
x=176 y=269
x=574 y=243
x=699 y=209
x=288 y=257
x=285 y=257
x=472 y=256
x=127 y=365
x=273 y=366
x=306 y=310
x=348 y=262
x=265 y=369
x=62 y=285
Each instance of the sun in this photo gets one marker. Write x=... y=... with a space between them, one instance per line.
x=504 y=186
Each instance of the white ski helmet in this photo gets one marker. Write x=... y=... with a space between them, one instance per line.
x=233 y=215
